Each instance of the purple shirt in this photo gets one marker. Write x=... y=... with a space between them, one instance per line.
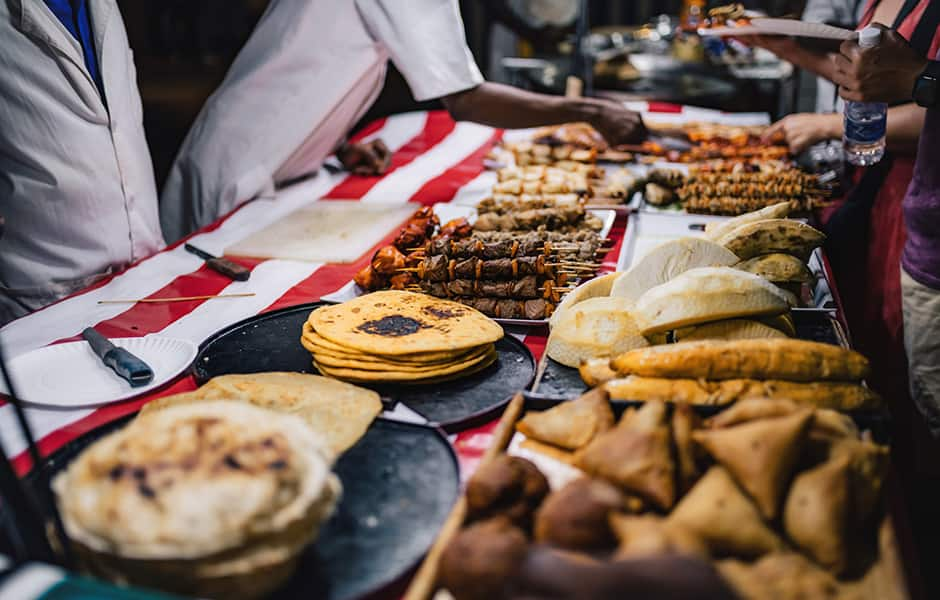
x=921 y=258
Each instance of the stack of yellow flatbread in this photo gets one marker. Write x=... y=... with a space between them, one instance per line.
x=395 y=336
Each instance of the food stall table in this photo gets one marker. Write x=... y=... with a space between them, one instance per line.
x=434 y=160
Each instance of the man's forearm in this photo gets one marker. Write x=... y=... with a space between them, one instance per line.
x=505 y=106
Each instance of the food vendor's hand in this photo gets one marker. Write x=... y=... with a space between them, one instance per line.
x=885 y=73
x=551 y=574
x=619 y=125
x=370 y=158
x=805 y=129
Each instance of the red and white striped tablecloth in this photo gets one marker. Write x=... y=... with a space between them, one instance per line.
x=434 y=160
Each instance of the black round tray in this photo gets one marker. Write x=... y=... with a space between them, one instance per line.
x=400 y=482
x=271 y=342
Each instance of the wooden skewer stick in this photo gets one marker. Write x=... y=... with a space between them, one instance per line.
x=176 y=299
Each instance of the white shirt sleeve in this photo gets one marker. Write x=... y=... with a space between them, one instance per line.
x=426 y=41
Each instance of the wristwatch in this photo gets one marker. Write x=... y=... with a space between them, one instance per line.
x=927 y=86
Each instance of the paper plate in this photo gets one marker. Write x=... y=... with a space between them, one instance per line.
x=72 y=376
x=792 y=27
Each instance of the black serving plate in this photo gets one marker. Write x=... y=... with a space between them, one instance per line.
x=271 y=342
x=400 y=482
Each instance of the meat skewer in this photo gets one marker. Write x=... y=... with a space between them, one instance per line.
x=503 y=308
x=524 y=288
x=443 y=268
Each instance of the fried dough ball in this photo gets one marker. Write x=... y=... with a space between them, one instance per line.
x=509 y=486
x=576 y=516
x=482 y=560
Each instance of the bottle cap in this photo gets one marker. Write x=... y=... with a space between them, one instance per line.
x=869 y=37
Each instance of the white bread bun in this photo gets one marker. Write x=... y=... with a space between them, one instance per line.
x=716 y=229
x=707 y=294
x=668 y=260
x=593 y=288
x=594 y=328
x=732 y=329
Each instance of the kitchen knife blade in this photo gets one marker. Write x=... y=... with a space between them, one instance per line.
x=121 y=361
x=220 y=265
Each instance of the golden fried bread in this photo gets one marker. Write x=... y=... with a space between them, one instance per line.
x=789 y=360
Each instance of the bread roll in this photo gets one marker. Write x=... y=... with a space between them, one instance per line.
x=777 y=268
x=773 y=235
x=789 y=360
x=594 y=328
x=668 y=260
x=593 y=288
x=707 y=294
x=825 y=394
x=716 y=229
x=732 y=329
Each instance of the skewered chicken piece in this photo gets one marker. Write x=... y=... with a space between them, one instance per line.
x=388 y=260
x=457 y=228
x=573 y=185
x=670 y=178
x=549 y=218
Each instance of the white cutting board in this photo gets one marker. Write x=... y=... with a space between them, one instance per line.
x=333 y=231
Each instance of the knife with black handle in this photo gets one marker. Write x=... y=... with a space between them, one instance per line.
x=121 y=361
x=220 y=265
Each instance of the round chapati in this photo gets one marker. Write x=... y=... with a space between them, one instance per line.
x=459 y=369
x=338 y=411
x=394 y=323
x=331 y=360
x=317 y=343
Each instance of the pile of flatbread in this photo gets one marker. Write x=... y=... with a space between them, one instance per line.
x=339 y=412
x=396 y=336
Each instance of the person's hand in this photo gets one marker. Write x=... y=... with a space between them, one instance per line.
x=885 y=73
x=804 y=129
x=370 y=158
x=619 y=125
x=553 y=574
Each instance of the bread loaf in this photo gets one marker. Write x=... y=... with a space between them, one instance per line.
x=786 y=359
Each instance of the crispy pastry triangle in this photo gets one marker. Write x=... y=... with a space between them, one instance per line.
x=761 y=455
x=725 y=519
x=570 y=425
x=816 y=513
x=636 y=455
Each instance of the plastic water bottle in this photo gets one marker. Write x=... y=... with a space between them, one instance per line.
x=865 y=122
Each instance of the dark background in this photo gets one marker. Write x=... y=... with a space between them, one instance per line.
x=184 y=47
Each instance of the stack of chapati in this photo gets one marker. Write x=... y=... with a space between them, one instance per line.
x=395 y=336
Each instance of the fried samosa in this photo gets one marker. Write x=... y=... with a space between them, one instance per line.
x=570 y=425
x=761 y=455
x=816 y=513
x=684 y=422
x=651 y=535
x=636 y=456
x=868 y=466
x=780 y=576
x=724 y=518
x=751 y=410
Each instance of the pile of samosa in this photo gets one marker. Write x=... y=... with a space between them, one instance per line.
x=786 y=499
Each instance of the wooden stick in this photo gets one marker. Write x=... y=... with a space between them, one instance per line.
x=176 y=299
x=425 y=580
